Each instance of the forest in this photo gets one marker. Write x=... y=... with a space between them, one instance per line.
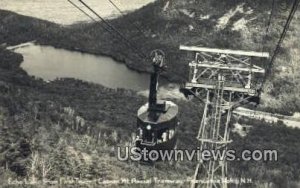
x=70 y=129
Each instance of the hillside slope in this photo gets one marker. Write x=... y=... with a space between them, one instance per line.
x=37 y=121
x=167 y=24
x=16 y=29
x=229 y=24
x=39 y=130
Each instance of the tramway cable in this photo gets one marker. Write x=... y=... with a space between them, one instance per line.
x=81 y=10
x=122 y=13
x=286 y=27
x=109 y=28
x=133 y=47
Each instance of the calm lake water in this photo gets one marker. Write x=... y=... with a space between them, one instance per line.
x=62 y=12
x=50 y=63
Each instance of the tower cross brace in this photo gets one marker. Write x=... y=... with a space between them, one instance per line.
x=225 y=79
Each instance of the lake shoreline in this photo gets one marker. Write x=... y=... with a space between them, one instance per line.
x=38 y=119
x=43 y=61
x=85 y=37
x=84 y=51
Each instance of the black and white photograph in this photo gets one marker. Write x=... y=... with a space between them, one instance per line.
x=150 y=93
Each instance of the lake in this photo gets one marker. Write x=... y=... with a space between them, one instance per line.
x=49 y=63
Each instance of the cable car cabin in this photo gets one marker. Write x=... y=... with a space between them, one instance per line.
x=157 y=130
x=156 y=120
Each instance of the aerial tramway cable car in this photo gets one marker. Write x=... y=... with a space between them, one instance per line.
x=157 y=120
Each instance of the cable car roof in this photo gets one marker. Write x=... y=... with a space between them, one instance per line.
x=172 y=111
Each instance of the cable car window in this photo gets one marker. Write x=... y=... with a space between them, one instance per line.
x=139 y=133
x=163 y=135
x=148 y=134
x=171 y=133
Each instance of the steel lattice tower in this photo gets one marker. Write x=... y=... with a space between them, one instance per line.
x=224 y=79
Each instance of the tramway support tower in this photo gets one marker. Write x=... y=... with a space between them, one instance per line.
x=223 y=80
